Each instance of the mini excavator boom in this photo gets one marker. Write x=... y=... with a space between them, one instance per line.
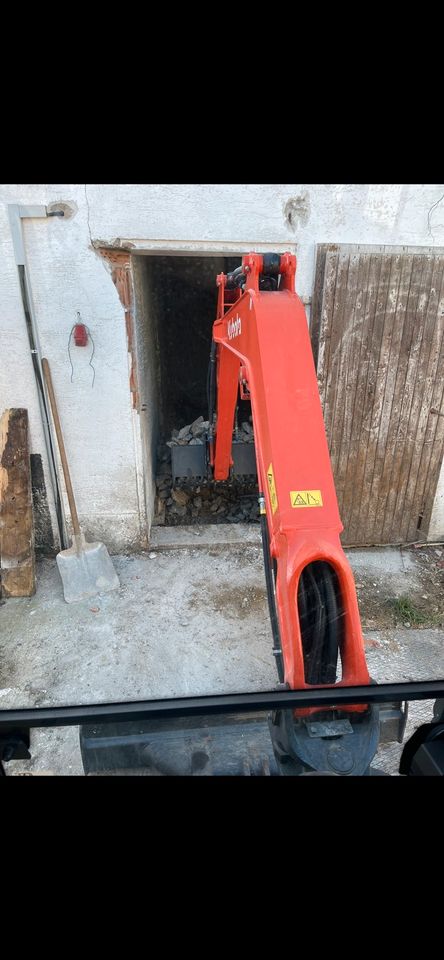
x=263 y=348
x=261 y=352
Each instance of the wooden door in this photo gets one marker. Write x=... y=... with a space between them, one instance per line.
x=377 y=333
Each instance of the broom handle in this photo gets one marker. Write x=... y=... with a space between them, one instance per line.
x=58 y=430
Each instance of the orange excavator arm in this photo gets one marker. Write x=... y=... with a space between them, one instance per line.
x=262 y=347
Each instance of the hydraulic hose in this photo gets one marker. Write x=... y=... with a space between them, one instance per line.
x=269 y=581
x=320 y=618
x=211 y=383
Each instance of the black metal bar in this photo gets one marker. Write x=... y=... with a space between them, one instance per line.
x=221 y=703
x=277 y=649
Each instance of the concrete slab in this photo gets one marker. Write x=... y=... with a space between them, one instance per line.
x=392 y=561
x=205 y=535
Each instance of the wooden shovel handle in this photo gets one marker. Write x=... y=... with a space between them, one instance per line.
x=58 y=430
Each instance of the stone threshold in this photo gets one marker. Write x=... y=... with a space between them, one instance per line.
x=205 y=535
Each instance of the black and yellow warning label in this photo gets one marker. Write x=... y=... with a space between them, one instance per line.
x=306 y=498
x=272 y=488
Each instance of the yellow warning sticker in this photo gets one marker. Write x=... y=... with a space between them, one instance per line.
x=272 y=488
x=306 y=498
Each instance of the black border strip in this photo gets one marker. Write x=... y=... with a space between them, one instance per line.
x=222 y=703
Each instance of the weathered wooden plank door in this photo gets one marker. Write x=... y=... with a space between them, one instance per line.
x=377 y=332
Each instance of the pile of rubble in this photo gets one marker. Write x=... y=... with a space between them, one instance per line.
x=203 y=501
x=196 y=433
x=193 y=433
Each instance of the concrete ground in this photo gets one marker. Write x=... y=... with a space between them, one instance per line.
x=190 y=617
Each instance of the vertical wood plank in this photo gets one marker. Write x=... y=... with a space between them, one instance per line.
x=419 y=413
x=395 y=320
x=316 y=306
x=330 y=271
x=427 y=440
x=409 y=405
x=16 y=521
x=365 y=313
x=332 y=382
x=350 y=339
x=397 y=454
x=368 y=436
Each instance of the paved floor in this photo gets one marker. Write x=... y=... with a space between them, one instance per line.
x=190 y=620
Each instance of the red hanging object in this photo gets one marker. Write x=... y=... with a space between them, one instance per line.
x=80 y=335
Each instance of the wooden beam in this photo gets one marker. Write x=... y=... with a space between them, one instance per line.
x=17 y=562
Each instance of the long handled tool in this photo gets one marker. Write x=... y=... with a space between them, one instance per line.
x=85 y=568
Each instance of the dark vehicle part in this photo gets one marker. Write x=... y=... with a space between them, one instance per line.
x=189 y=461
x=17 y=723
x=233 y=745
x=423 y=754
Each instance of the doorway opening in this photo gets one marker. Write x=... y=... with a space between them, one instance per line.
x=175 y=299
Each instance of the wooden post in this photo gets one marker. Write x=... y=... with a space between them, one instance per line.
x=17 y=562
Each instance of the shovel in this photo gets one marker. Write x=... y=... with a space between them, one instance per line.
x=85 y=568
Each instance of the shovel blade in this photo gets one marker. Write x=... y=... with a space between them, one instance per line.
x=86 y=569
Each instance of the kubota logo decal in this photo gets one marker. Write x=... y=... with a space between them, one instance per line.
x=234 y=327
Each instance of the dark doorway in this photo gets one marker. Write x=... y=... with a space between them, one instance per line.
x=176 y=301
x=183 y=299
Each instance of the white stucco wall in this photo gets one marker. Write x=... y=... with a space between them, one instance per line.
x=101 y=430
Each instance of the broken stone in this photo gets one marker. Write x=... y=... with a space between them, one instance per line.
x=200 y=430
x=171 y=443
x=174 y=434
x=180 y=496
x=184 y=432
x=195 y=426
x=178 y=510
x=195 y=440
x=152 y=556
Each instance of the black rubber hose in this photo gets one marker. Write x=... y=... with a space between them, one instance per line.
x=317 y=612
x=211 y=383
x=320 y=617
x=235 y=279
x=271 y=264
x=269 y=581
x=331 y=638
